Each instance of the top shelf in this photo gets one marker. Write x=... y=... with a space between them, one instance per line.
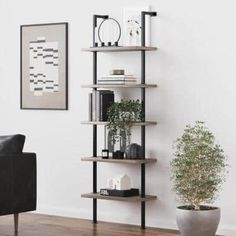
x=119 y=49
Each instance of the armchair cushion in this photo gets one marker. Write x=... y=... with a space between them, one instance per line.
x=12 y=144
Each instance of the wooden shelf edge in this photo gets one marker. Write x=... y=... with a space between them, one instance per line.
x=124 y=161
x=119 y=49
x=124 y=199
x=120 y=86
x=147 y=123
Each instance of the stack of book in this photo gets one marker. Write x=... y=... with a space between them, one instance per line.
x=99 y=103
x=117 y=80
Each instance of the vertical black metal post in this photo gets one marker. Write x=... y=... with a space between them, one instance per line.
x=95 y=144
x=143 y=129
x=94 y=126
x=95 y=17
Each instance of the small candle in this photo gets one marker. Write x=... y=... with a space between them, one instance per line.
x=105 y=153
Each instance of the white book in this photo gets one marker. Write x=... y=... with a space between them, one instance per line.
x=116 y=82
x=117 y=77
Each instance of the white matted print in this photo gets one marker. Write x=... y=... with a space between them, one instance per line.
x=44 y=58
x=132 y=26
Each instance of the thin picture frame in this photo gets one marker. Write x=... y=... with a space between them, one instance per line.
x=44 y=74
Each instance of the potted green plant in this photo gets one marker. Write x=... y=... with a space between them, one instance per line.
x=198 y=171
x=121 y=116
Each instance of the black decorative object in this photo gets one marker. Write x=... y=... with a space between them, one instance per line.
x=120 y=193
x=105 y=153
x=134 y=151
x=109 y=32
x=118 y=155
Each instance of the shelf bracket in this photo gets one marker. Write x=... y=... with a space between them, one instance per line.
x=95 y=23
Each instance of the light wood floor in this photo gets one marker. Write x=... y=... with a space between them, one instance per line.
x=43 y=225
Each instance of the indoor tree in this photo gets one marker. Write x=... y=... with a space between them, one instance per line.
x=199 y=166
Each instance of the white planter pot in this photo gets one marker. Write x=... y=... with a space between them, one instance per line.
x=198 y=223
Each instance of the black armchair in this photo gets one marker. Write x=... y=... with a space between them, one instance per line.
x=17 y=184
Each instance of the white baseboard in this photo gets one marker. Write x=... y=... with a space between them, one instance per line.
x=86 y=214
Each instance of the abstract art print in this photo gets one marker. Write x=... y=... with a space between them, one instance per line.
x=44 y=62
x=132 y=28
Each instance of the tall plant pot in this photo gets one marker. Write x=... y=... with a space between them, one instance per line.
x=198 y=223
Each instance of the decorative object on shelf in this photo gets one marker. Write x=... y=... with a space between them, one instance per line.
x=123 y=143
x=108 y=140
x=133 y=28
x=120 y=193
x=105 y=153
x=44 y=60
x=99 y=103
x=198 y=172
x=134 y=151
x=109 y=32
x=118 y=155
x=117 y=72
x=121 y=182
x=120 y=117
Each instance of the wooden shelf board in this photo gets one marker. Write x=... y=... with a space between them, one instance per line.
x=119 y=49
x=126 y=199
x=147 y=123
x=125 y=161
x=119 y=86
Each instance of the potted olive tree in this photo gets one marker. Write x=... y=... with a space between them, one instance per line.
x=198 y=171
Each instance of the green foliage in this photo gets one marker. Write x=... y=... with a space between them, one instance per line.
x=199 y=166
x=120 y=117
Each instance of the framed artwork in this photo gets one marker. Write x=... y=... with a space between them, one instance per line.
x=132 y=26
x=44 y=66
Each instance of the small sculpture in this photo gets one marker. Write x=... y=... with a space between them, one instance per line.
x=122 y=182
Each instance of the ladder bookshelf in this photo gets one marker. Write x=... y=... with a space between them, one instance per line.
x=143 y=198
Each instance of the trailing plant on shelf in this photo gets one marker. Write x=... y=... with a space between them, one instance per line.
x=198 y=169
x=121 y=115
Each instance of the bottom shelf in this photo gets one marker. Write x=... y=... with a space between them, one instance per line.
x=126 y=199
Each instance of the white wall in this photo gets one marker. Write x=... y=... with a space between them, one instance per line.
x=195 y=69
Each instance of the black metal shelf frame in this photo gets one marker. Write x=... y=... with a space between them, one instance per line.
x=143 y=129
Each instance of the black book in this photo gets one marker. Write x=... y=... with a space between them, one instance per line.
x=106 y=98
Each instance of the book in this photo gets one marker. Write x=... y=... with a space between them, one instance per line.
x=101 y=101
x=90 y=118
x=119 y=77
x=106 y=100
x=111 y=80
x=94 y=105
x=117 y=82
x=114 y=76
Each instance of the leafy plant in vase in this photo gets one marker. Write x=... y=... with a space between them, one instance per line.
x=121 y=116
x=198 y=171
